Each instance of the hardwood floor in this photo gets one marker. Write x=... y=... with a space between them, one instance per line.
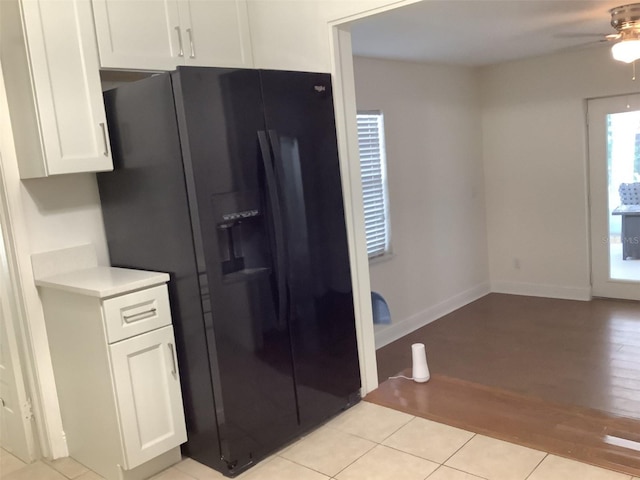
x=558 y=375
x=582 y=434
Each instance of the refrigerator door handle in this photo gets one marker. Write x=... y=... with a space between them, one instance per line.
x=276 y=212
x=274 y=141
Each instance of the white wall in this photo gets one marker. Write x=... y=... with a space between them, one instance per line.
x=535 y=157
x=294 y=34
x=436 y=188
x=63 y=211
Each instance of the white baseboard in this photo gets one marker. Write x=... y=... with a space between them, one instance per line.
x=538 y=290
x=386 y=334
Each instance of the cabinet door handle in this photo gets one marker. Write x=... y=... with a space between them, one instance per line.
x=172 y=352
x=181 y=52
x=104 y=139
x=193 y=51
x=146 y=313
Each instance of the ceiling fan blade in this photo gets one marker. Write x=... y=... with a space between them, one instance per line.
x=583 y=35
x=582 y=46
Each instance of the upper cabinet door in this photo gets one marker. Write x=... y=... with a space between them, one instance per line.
x=139 y=34
x=50 y=65
x=216 y=33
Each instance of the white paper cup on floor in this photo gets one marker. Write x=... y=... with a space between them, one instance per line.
x=420 y=369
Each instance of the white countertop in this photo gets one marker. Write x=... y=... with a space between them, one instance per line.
x=103 y=282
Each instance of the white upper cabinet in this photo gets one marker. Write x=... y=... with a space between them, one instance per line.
x=138 y=34
x=217 y=33
x=51 y=69
x=162 y=34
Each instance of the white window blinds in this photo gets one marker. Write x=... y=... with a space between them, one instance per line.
x=374 y=181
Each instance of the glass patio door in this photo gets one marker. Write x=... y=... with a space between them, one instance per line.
x=614 y=191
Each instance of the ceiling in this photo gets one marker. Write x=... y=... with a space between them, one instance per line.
x=482 y=32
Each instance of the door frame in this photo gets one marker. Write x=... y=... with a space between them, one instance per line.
x=602 y=285
x=9 y=312
x=344 y=91
x=347 y=131
x=49 y=438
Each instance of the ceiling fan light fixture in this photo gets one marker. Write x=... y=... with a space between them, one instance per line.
x=626 y=20
x=626 y=51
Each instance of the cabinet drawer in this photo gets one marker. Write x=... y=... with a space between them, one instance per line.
x=136 y=313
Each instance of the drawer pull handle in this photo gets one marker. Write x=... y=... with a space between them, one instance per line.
x=174 y=369
x=139 y=315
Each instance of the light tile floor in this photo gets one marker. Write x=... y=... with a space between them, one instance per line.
x=368 y=442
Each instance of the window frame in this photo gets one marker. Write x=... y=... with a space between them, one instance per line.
x=377 y=254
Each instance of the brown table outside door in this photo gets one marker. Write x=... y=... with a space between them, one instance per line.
x=630 y=230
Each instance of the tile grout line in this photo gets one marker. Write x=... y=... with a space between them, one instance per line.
x=418 y=456
x=411 y=454
x=461 y=447
x=183 y=472
x=340 y=471
x=473 y=435
x=368 y=439
x=375 y=444
x=434 y=472
x=413 y=417
x=457 y=470
x=546 y=454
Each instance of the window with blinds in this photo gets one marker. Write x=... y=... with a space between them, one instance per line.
x=373 y=170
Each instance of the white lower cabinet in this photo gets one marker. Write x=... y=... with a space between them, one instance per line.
x=145 y=375
x=116 y=369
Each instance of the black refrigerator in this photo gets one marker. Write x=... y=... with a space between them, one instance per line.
x=228 y=179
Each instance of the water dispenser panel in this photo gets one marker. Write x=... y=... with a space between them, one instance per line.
x=243 y=246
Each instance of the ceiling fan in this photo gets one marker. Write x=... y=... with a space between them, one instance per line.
x=626 y=20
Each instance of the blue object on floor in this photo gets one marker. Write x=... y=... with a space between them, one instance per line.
x=381 y=313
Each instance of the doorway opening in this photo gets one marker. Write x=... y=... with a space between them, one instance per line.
x=623 y=188
x=614 y=191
